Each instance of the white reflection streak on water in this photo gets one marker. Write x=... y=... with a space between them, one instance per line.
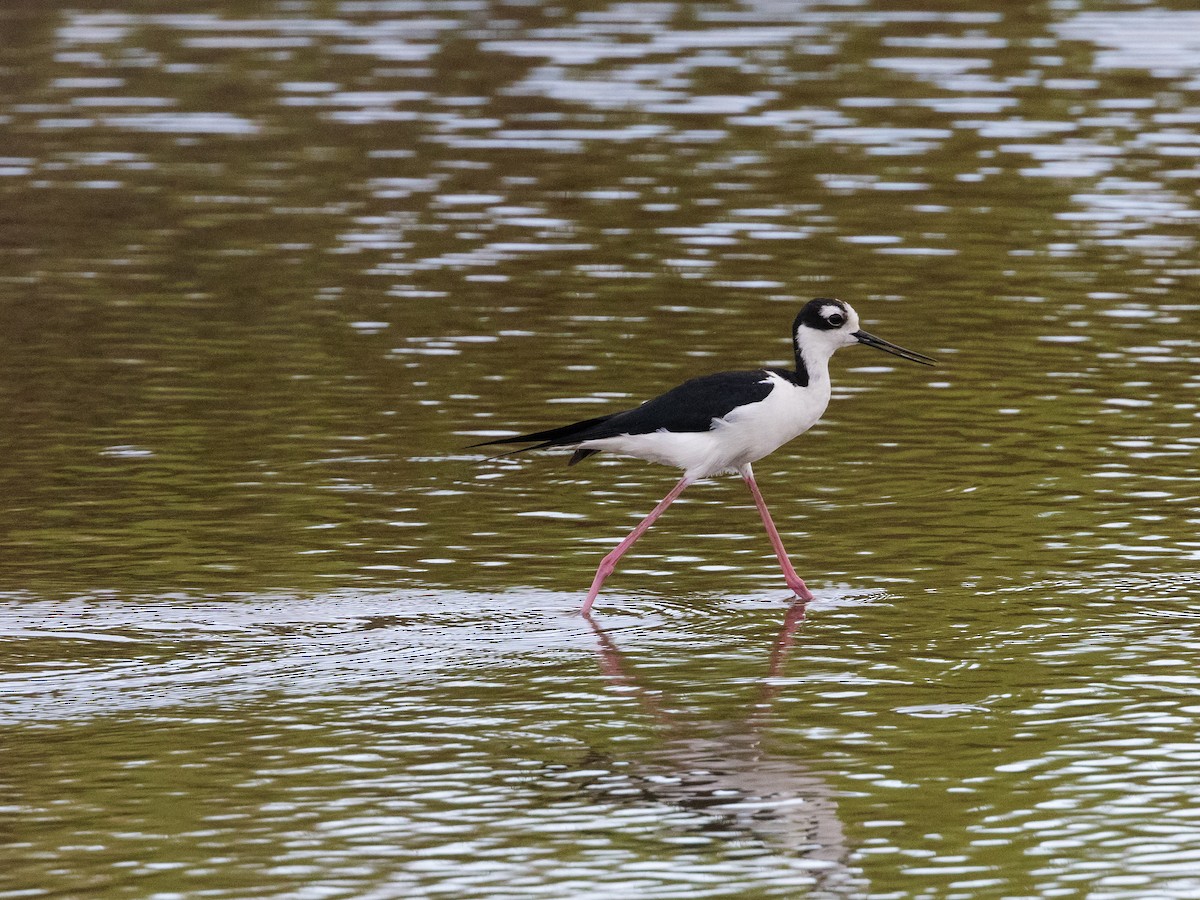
x=244 y=648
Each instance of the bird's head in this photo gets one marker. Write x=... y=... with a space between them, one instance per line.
x=825 y=324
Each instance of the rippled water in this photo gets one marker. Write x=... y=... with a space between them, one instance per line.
x=266 y=269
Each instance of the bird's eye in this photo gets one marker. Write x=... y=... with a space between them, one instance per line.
x=837 y=320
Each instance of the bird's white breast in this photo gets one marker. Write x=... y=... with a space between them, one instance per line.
x=760 y=428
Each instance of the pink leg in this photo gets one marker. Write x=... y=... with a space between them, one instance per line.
x=794 y=581
x=610 y=562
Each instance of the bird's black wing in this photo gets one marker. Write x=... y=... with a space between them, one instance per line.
x=690 y=407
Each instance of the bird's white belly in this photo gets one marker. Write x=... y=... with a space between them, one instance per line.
x=746 y=434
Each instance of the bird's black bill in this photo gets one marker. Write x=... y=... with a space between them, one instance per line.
x=888 y=347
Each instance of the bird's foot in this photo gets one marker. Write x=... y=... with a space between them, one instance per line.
x=800 y=589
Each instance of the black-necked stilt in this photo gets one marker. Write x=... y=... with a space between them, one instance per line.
x=722 y=423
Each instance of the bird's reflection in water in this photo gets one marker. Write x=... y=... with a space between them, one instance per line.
x=741 y=791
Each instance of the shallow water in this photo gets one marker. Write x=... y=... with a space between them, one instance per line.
x=271 y=631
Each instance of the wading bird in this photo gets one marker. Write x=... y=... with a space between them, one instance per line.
x=722 y=423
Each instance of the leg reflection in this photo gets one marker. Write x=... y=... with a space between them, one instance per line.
x=729 y=780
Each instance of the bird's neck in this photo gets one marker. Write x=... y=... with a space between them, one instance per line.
x=811 y=366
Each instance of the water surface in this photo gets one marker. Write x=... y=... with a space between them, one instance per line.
x=266 y=269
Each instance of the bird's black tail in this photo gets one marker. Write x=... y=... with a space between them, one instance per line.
x=562 y=436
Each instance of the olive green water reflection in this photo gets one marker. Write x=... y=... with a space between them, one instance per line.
x=265 y=268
